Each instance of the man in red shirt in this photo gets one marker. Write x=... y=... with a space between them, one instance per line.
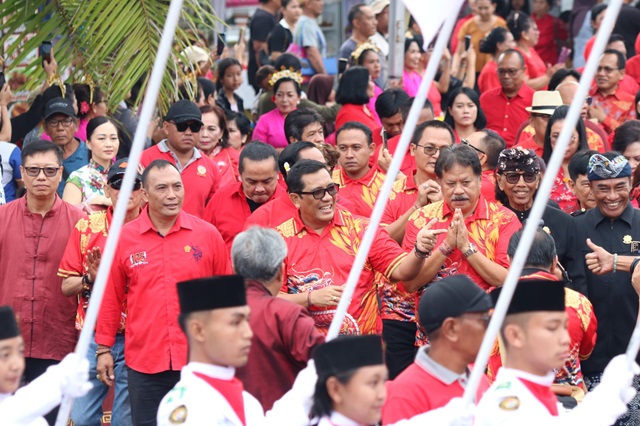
x=284 y=334
x=543 y=105
x=455 y=314
x=162 y=246
x=389 y=109
x=505 y=106
x=78 y=269
x=611 y=106
x=322 y=242
x=304 y=124
x=182 y=126
x=488 y=145
x=357 y=180
x=232 y=205
x=34 y=232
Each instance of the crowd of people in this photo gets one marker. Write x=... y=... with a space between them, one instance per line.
x=246 y=217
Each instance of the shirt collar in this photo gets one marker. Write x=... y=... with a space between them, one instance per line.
x=163 y=147
x=338 y=220
x=366 y=180
x=522 y=89
x=257 y=285
x=213 y=371
x=338 y=419
x=480 y=212
x=546 y=380
x=146 y=225
x=98 y=167
x=52 y=211
x=439 y=371
x=596 y=91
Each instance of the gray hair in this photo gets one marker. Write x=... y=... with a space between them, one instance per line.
x=258 y=253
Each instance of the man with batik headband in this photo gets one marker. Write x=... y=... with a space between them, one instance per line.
x=517 y=180
x=214 y=315
x=536 y=342
x=609 y=236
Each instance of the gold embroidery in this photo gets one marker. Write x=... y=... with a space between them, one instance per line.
x=97 y=222
x=82 y=225
x=287 y=229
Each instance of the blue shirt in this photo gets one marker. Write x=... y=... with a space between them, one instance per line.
x=79 y=158
x=10 y=155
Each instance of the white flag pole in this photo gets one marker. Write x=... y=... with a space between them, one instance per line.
x=148 y=107
x=540 y=202
x=394 y=168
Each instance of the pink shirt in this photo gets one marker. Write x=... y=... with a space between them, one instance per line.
x=411 y=82
x=372 y=103
x=270 y=129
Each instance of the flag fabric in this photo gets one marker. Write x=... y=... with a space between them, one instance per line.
x=430 y=14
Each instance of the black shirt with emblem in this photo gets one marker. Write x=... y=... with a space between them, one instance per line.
x=614 y=299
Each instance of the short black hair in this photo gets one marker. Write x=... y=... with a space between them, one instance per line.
x=288 y=61
x=615 y=37
x=298 y=120
x=493 y=145
x=282 y=80
x=354 y=125
x=415 y=39
x=406 y=107
x=560 y=113
x=481 y=120
x=622 y=62
x=155 y=164
x=222 y=69
x=257 y=151
x=626 y=134
x=299 y=170
x=352 y=88
x=390 y=102
x=560 y=75
x=243 y=123
x=512 y=52
x=222 y=121
x=208 y=87
x=597 y=10
x=290 y=155
x=542 y=252
x=354 y=13
x=436 y=124
x=40 y=147
x=458 y=155
x=579 y=164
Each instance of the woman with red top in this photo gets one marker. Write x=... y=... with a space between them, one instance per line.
x=464 y=114
x=496 y=42
x=526 y=34
x=412 y=74
x=552 y=31
x=354 y=91
x=366 y=55
x=597 y=16
x=561 y=192
x=214 y=142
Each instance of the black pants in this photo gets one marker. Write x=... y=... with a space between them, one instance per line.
x=399 y=337
x=34 y=368
x=146 y=392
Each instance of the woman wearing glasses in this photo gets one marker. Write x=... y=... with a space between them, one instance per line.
x=561 y=192
x=86 y=185
x=464 y=114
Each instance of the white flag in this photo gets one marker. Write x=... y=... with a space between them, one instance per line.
x=430 y=14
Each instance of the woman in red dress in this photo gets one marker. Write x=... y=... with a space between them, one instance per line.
x=354 y=91
x=214 y=142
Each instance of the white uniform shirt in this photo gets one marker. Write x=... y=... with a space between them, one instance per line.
x=337 y=419
x=27 y=406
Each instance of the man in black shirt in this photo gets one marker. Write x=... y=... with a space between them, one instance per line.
x=609 y=237
x=261 y=24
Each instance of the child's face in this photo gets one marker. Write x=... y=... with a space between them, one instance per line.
x=11 y=364
x=232 y=79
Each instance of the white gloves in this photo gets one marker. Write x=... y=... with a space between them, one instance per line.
x=72 y=375
x=455 y=413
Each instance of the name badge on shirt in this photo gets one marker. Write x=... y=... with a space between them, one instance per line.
x=202 y=171
x=138 y=259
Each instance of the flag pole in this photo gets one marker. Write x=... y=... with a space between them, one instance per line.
x=148 y=107
x=540 y=202
x=394 y=168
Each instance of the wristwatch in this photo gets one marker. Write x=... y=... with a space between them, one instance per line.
x=472 y=250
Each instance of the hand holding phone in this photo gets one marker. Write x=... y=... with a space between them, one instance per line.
x=45 y=51
x=467 y=42
x=222 y=41
x=564 y=55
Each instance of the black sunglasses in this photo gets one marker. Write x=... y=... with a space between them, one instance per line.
x=318 y=194
x=35 y=171
x=117 y=184
x=514 y=177
x=193 y=125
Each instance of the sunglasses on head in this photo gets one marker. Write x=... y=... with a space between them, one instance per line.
x=318 y=194
x=514 y=177
x=193 y=125
x=117 y=184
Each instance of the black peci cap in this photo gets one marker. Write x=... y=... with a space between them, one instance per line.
x=537 y=295
x=207 y=294
x=347 y=353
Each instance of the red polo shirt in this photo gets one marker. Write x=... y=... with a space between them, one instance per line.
x=618 y=107
x=361 y=192
x=272 y=213
x=199 y=177
x=505 y=115
x=633 y=68
x=488 y=188
x=488 y=78
x=149 y=266
x=316 y=261
x=227 y=162
x=229 y=210
x=31 y=247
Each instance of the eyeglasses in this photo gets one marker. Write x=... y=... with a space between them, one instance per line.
x=514 y=177
x=465 y=142
x=194 y=126
x=67 y=122
x=318 y=194
x=512 y=72
x=117 y=184
x=607 y=70
x=430 y=149
x=35 y=171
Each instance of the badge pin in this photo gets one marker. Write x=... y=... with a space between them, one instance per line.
x=179 y=415
x=202 y=170
x=627 y=239
x=510 y=403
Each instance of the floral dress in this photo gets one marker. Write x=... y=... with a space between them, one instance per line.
x=90 y=179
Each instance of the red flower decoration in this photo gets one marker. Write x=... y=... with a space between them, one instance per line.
x=84 y=107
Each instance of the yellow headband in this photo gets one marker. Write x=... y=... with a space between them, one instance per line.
x=361 y=48
x=285 y=73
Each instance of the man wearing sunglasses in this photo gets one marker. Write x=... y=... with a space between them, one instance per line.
x=34 y=232
x=182 y=126
x=78 y=269
x=323 y=240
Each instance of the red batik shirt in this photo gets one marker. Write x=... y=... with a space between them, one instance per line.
x=505 y=115
x=489 y=227
x=527 y=140
x=361 y=192
x=316 y=261
x=150 y=265
x=618 y=107
x=87 y=234
x=563 y=195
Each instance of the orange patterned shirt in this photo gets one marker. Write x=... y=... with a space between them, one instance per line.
x=361 y=192
x=618 y=107
x=316 y=261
